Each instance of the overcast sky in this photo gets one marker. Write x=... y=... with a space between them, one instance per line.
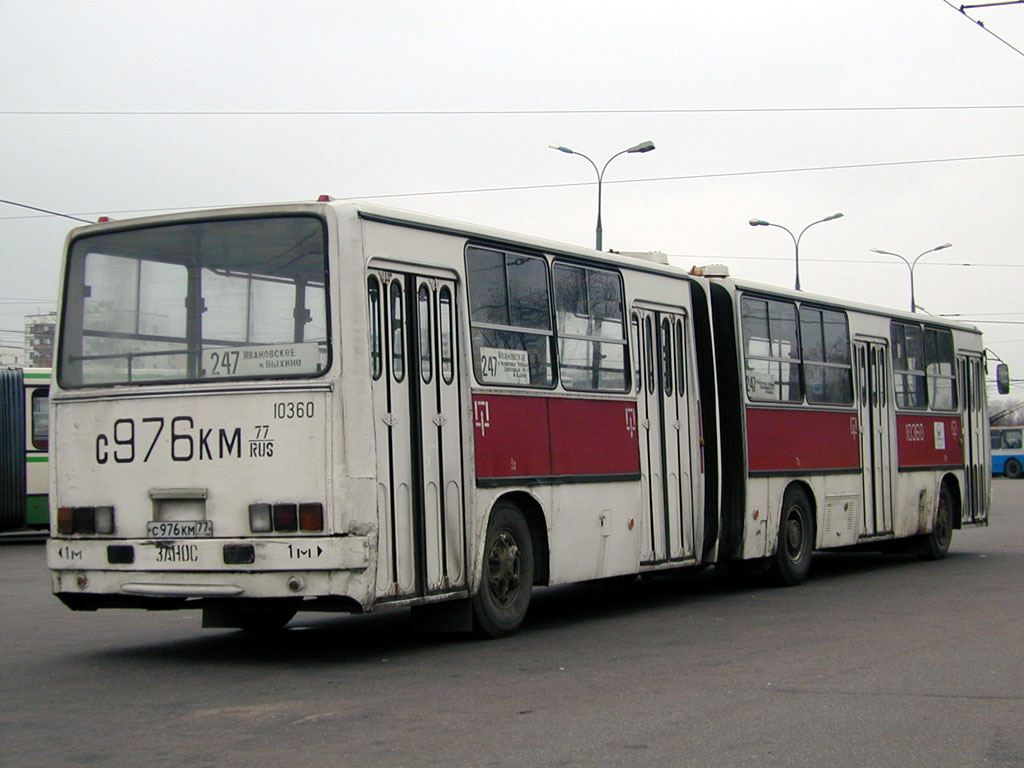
x=906 y=116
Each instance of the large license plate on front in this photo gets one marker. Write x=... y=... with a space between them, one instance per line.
x=179 y=529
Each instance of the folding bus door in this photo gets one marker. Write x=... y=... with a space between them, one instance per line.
x=418 y=434
x=971 y=377
x=666 y=446
x=876 y=425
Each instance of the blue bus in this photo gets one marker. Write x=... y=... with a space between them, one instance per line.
x=1008 y=451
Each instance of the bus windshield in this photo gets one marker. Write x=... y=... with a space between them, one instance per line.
x=237 y=298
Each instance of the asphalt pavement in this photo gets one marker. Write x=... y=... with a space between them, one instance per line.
x=876 y=660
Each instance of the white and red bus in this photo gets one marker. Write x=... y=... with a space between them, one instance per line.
x=844 y=425
x=338 y=406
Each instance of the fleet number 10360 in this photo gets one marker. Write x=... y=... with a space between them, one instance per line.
x=292 y=410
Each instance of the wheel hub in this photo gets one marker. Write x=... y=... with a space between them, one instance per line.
x=795 y=535
x=503 y=568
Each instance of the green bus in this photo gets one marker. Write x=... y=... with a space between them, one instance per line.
x=24 y=448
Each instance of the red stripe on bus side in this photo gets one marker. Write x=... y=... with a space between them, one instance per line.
x=540 y=437
x=927 y=440
x=793 y=440
x=593 y=437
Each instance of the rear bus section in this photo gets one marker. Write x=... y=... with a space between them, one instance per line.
x=845 y=426
x=200 y=425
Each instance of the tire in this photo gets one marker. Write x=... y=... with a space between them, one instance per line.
x=500 y=604
x=792 y=558
x=1012 y=469
x=936 y=544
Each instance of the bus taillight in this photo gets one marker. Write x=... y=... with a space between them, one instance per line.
x=311 y=517
x=85 y=520
x=286 y=517
x=259 y=518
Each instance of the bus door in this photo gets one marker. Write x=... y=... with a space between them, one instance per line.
x=971 y=377
x=666 y=424
x=876 y=425
x=418 y=434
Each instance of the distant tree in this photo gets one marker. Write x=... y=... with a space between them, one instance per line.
x=1006 y=413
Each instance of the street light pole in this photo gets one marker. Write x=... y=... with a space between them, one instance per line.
x=796 y=238
x=911 y=265
x=645 y=146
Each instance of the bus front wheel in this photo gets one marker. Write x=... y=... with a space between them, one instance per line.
x=500 y=603
x=1012 y=469
x=792 y=558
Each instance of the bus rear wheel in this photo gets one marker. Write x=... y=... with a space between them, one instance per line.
x=500 y=604
x=936 y=544
x=1012 y=469
x=792 y=558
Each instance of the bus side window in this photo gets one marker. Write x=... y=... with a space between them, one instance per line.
x=771 y=349
x=447 y=339
x=41 y=418
x=940 y=368
x=680 y=359
x=825 y=350
x=908 y=366
x=397 y=332
x=426 y=351
x=637 y=353
x=376 y=340
x=649 y=353
x=666 y=351
x=591 y=329
x=510 y=318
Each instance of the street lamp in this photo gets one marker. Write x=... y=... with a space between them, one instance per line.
x=796 y=238
x=911 y=265
x=644 y=146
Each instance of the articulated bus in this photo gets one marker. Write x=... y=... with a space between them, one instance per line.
x=24 y=445
x=337 y=406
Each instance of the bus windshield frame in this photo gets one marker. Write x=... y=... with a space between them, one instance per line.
x=196 y=301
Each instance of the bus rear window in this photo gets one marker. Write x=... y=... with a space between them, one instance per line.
x=238 y=298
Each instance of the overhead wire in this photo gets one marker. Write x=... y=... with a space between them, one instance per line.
x=44 y=210
x=484 y=112
x=565 y=185
x=962 y=10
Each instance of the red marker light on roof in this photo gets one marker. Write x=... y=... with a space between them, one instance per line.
x=103 y=219
x=324 y=199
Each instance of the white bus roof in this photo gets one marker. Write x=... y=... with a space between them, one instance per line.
x=634 y=260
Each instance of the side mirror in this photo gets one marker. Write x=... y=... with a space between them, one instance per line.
x=1003 y=379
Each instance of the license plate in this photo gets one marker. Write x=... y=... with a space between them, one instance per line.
x=179 y=529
